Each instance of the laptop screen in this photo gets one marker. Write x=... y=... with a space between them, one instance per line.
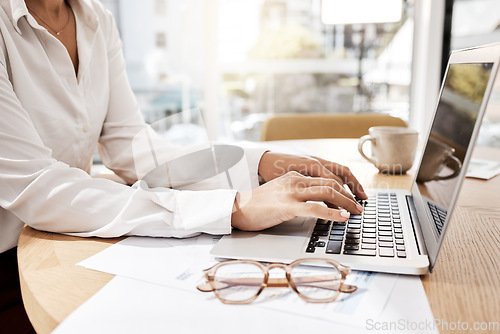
x=450 y=135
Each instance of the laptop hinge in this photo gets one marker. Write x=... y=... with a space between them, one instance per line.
x=414 y=220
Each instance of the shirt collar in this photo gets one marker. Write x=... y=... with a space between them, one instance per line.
x=18 y=10
x=85 y=10
x=15 y=10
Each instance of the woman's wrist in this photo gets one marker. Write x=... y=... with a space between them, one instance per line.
x=239 y=217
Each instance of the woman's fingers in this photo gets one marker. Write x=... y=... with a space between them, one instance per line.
x=320 y=211
x=272 y=165
x=318 y=181
x=289 y=196
x=329 y=195
x=313 y=167
x=346 y=175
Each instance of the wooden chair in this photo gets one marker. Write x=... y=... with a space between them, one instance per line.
x=312 y=126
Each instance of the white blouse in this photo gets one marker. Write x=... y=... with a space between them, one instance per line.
x=51 y=121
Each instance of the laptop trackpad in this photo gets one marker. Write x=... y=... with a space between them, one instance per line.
x=292 y=227
x=271 y=244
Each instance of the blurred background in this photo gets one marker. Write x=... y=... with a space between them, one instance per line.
x=241 y=61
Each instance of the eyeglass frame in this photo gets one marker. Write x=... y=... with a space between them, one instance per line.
x=209 y=274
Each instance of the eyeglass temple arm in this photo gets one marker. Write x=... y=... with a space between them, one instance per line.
x=313 y=281
x=274 y=283
x=230 y=282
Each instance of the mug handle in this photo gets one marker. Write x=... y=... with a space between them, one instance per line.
x=456 y=169
x=362 y=140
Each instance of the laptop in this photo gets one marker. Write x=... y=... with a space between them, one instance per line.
x=399 y=231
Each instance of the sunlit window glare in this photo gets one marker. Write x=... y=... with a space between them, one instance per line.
x=361 y=11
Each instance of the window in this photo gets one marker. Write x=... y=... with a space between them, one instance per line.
x=160 y=7
x=272 y=56
x=474 y=23
x=278 y=57
x=161 y=40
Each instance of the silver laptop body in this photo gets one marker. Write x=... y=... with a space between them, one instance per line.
x=410 y=242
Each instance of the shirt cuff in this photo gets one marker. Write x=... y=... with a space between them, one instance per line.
x=205 y=211
x=253 y=156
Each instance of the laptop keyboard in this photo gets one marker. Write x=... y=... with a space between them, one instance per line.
x=438 y=215
x=375 y=232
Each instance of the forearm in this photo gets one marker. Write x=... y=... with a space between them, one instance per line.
x=66 y=200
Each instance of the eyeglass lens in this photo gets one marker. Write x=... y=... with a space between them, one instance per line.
x=318 y=283
x=238 y=281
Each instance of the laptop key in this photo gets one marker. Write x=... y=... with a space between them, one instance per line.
x=321 y=227
x=333 y=247
x=363 y=252
x=351 y=247
x=386 y=252
x=352 y=241
x=320 y=233
x=335 y=237
x=310 y=249
x=388 y=239
x=386 y=244
x=323 y=222
x=368 y=246
x=401 y=254
x=338 y=227
x=400 y=247
x=369 y=241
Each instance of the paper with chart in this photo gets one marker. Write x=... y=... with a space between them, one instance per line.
x=179 y=263
x=127 y=305
x=483 y=169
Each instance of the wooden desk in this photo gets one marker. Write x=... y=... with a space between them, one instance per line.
x=463 y=287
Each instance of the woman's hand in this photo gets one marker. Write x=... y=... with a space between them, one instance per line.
x=273 y=165
x=285 y=197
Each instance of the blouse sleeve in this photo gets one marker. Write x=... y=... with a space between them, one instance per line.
x=50 y=195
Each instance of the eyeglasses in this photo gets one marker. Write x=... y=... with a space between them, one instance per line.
x=241 y=281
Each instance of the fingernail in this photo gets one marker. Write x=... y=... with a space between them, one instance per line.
x=359 y=207
x=345 y=214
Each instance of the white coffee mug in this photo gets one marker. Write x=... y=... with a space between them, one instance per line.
x=393 y=148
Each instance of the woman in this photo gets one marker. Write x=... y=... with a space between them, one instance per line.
x=64 y=91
